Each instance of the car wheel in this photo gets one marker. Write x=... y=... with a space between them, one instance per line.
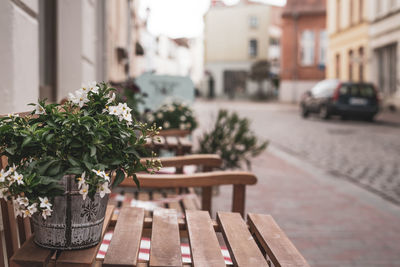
x=304 y=112
x=324 y=112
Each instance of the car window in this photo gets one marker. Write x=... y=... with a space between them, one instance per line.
x=325 y=88
x=357 y=90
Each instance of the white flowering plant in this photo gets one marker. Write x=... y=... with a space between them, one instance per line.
x=232 y=139
x=173 y=116
x=90 y=136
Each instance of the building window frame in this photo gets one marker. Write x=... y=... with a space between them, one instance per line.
x=307 y=47
x=253 y=22
x=350 y=64
x=337 y=58
x=253 y=48
x=361 y=64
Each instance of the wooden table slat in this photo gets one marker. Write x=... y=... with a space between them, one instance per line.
x=165 y=241
x=85 y=257
x=189 y=202
x=31 y=254
x=204 y=244
x=174 y=204
x=242 y=247
x=125 y=243
x=144 y=196
x=277 y=245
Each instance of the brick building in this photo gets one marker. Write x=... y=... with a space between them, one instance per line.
x=304 y=47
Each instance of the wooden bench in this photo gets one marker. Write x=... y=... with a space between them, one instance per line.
x=259 y=242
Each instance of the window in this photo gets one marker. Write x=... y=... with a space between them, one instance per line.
x=307 y=48
x=351 y=59
x=323 y=44
x=337 y=66
x=273 y=41
x=253 y=22
x=361 y=64
x=253 y=48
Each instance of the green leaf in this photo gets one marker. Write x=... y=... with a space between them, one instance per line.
x=26 y=141
x=43 y=168
x=74 y=170
x=92 y=151
x=73 y=161
x=119 y=177
x=11 y=150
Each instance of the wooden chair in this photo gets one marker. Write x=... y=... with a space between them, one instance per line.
x=187 y=198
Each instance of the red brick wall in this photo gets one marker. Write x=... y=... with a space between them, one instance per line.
x=290 y=44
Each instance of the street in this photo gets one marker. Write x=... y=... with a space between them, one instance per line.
x=363 y=152
x=331 y=185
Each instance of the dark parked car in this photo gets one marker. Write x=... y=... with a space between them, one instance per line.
x=346 y=99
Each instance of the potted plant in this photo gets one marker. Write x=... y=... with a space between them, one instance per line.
x=173 y=116
x=62 y=160
x=232 y=139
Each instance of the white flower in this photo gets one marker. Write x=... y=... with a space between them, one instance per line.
x=159 y=115
x=93 y=87
x=183 y=118
x=84 y=191
x=98 y=172
x=188 y=125
x=103 y=189
x=19 y=178
x=182 y=126
x=39 y=109
x=166 y=125
x=11 y=179
x=44 y=203
x=46 y=213
x=12 y=169
x=81 y=180
x=23 y=201
x=12 y=115
x=3 y=175
x=106 y=176
x=3 y=192
x=127 y=117
x=111 y=99
x=171 y=108
x=150 y=117
x=113 y=110
x=124 y=108
x=30 y=210
x=79 y=98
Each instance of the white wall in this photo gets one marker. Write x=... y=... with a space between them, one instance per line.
x=77 y=45
x=19 y=51
x=291 y=91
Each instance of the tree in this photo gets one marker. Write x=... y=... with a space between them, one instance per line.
x=259 y=72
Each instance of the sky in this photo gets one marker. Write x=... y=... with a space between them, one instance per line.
x=181 y=18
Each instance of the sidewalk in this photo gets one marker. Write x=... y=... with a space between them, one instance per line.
x=331 y=221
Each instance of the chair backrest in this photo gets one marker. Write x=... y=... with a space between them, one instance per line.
x=14 y=230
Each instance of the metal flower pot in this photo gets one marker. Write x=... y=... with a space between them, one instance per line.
x=75 y=223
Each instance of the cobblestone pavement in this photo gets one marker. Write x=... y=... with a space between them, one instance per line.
x=365 y=153
x=333 y=222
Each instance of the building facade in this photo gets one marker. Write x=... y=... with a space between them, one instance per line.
x=48 y=49
x=236 y=37
x=349 y=53
x=304 y=47
x=385 y=49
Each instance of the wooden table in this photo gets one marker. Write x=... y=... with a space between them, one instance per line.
x=259 y=242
